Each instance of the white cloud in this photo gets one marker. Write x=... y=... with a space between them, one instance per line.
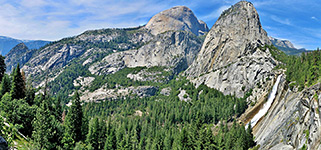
x=314 y=18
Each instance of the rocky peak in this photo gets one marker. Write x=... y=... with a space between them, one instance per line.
x=230 y=58
x=19 y=54
x=18 y=48
x=281 y=43
x=176 y=19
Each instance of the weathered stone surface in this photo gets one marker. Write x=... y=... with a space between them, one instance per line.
x=171 y=49
x=183 y=96
x=292 y=121
x=179 y=18
x=111 y=94
x=166 y=91
x=231 y=59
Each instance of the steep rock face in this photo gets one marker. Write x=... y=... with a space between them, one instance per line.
x=19 y=54
x=231 y=59
x=172 y=49
x=179 y=18
x=292 y=121
x=85 y=48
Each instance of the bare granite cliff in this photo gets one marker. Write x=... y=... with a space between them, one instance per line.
x=179 y=18
x=174 y=49
x=232 y=59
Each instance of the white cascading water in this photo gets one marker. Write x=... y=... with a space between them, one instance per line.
x=267 y=105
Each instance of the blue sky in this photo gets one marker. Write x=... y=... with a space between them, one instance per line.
x=296 y=20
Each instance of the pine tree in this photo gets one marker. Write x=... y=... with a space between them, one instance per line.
x=5 y=85
x=18 y=85
x=111 y=142
x=30 y=94
x=45 y=129
x=183 y=139
x=73 y=121
x=93 y=134
x=2 y=67
x=250 y=139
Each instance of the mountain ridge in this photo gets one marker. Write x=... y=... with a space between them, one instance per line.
x=287 y=47
x=7 y=43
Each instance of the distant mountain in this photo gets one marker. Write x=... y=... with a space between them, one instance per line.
x=19 y=54
x=7 y=43
x=286 y=46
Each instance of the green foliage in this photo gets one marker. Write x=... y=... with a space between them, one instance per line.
x=167 y=121
x=97 y=133
x=18 y=85
x=2 y=67
x=5 y=85
x=63 y=85
x=18 y=112
x=303 y=70
x=46 y=132
x=74 y=118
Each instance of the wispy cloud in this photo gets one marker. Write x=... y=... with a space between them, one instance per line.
x=282 y=21
x=54 y=19
x=314 y=18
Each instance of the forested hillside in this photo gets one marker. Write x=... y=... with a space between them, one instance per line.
x=157 y=122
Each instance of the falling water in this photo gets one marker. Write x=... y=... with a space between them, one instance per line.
x=268 y=104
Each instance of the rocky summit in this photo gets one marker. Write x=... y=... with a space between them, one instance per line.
x=179 y=18
x=19 y=54
x=231 y=59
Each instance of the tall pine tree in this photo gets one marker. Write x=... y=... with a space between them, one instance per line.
x=18 y=85
x=2 y=67
x=73 y=121
x=45 y=128
x=5 y=85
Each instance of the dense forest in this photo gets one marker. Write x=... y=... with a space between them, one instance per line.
x=206 y=121
x=301 y=71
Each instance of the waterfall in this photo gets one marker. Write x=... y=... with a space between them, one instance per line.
x=267 y=105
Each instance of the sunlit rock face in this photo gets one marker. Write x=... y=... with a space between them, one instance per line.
x=231 y=59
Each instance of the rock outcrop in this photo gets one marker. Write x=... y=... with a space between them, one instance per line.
x=293 y=121
x=174 y=49
x=120 y=92
x=179 y=18
x=19 y=54
x=231 y=59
